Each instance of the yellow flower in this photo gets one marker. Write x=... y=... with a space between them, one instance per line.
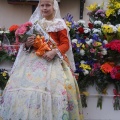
x=84 y=66
x=68 y=24
x=119 y=29
x=110 y=12
x=92 y=7
x=107 y=29
x=110 y=30
x=98 y=43
x=78 y=45
x=4 y=74
x=117 y=5
x=83 y=46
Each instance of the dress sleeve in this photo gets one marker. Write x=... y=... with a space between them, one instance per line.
x=63 y=41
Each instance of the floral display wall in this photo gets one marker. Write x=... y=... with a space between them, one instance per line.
x=96 y=50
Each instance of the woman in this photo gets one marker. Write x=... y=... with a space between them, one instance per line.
x=43 y=88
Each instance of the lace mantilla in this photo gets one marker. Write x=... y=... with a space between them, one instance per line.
x=52 y=26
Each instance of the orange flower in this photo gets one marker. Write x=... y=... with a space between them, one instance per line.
x=13 y=28
x=107 y=67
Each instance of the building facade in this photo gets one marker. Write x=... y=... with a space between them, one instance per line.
x=17 y=14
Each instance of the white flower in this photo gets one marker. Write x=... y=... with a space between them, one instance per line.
x=85 y=72
x=105 y=41
x=97 y=22
x=89 y=41
x=81 y=22
x=119 y=12
x=82 y=52
x=7 y=31
x=96 y=30
x=104 y=51
x=82 y=61
x=1 y=32
x=118 y=25
x=86 y=30
x=114 y=28
x=74 y=41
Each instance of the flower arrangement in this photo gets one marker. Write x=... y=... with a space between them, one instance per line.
x=10 y=33
x=8 y=53
x=8 y=47
x=21 y=32
x=89 y=52
x=113 y=12
x=96 y=53
x=96 y=12
x=109 y=17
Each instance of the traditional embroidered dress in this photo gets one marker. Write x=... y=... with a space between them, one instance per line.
x=42 y=90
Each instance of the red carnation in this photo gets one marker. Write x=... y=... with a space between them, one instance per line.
x=81 y=30
x=90 y=25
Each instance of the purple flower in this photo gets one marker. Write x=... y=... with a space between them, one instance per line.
x=100 y=11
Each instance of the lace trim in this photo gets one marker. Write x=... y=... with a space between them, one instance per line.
x=52 y=26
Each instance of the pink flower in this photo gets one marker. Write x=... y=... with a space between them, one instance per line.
x=113 y=72
x=28 y=24
x=92 y=50
x=96 y=66
x=21 y=31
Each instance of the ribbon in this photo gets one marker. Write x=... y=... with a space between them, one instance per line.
x=40 y=45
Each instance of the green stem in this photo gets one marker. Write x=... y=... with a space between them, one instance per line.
x=99 y=102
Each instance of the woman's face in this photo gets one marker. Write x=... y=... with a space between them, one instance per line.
x=46 y=8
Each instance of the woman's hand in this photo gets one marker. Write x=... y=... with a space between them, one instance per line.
x=30 y=41
x=49 y=55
